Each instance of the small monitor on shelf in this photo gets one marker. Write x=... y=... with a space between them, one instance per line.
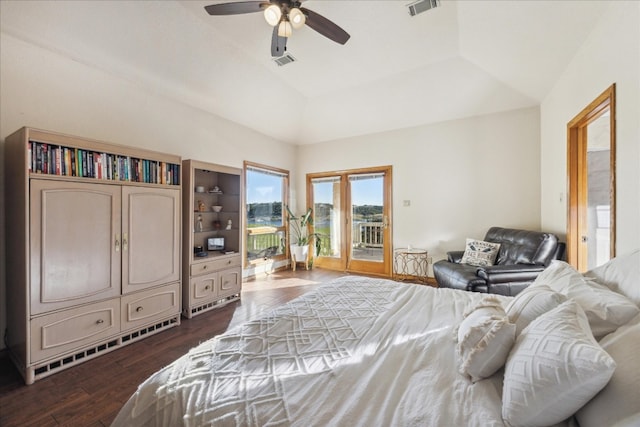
x=215 y=244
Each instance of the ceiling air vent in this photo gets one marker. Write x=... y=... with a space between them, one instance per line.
x=284 y=59
x=422 y=6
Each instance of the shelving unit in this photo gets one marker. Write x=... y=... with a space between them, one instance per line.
x=212 y=276
x=93 y=250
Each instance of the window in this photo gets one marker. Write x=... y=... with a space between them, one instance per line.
x=266 y=190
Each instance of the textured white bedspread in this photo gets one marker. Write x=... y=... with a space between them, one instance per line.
x=355 y=352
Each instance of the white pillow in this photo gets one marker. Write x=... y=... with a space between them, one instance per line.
x=480 y=253
x=531 y=303
x=484 y=339
x=621 y=274
x=554 y=368
x=605 y=309
x=619 y=401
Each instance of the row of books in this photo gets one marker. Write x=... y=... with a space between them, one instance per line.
x=65 y=161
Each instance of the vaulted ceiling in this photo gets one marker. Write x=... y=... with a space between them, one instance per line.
x=464 y=58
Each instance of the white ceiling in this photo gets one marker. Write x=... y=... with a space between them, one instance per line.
x=465 y=58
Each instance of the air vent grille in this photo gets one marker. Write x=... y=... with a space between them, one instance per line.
x=284 y=60
x=422 y=6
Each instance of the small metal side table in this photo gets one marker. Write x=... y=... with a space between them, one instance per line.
x=410 y=264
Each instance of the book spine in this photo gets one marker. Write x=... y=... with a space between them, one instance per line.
x=58 y=160
x=67 y=158
x=29 y=158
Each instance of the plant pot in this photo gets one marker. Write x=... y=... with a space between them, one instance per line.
x=299 y=254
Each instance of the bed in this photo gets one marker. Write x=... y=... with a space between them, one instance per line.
x=372 y=352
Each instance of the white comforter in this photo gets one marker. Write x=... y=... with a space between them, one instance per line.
x=355 y=352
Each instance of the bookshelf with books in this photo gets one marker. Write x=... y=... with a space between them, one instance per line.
x=48 y=159
x=93 y=248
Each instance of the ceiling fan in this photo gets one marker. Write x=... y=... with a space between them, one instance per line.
x=283 y=15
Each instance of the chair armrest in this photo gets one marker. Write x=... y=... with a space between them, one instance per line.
x=509 y=273
x=455 y=256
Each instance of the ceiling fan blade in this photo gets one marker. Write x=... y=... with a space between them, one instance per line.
x=236 y=8
x=325 y=27
x=278 y=44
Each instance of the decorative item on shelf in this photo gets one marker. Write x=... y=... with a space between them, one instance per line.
x=199 y=189
x=199 y=223
x=215 y=190
x=217 y=225
x=216 y=208
x=201 y=206
x=229 y=224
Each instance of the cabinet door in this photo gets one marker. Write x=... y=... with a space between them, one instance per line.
x=150 y=237
x=203 y=288
x=74 y=243
x=229 y=282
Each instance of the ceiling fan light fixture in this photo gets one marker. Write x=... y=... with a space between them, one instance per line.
x=272 y=15
x=284 y=29
x=297 y=18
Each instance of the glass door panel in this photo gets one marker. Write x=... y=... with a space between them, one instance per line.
x=367 y=217
x=327 y=222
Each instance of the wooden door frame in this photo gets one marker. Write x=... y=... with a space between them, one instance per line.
x=577 y=176
x=346 y=263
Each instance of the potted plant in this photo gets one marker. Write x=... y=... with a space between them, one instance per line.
x=300 y=236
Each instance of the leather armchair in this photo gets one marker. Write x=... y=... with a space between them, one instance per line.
x=523 y=255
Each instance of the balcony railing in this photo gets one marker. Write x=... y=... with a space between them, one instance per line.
x=264 y=242
x=368 y=234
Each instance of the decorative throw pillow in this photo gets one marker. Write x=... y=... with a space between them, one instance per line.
x=480 y=253
x=621 y=275
x=619 y=402
x=554 y=368
x=605 y=309
x=531 y=303
x=484 y=339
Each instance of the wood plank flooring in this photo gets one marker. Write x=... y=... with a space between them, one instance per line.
x=91 y=394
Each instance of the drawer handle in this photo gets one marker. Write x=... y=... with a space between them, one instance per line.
x=206 y=288
x=204 y=267
x=229 y=262
x=99 y=321
x=139 y=309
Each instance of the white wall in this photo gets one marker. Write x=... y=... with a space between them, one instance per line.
x=42 y=89
x=461 y=176
x=610 y=55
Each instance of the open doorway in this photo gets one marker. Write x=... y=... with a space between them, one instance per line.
x=591 y=199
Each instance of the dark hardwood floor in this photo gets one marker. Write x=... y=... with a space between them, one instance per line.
x=91 y=394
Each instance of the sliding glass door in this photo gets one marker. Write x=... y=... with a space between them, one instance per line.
x=352 y=214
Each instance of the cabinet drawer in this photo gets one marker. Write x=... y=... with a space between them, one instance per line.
x=143 y=308
x=58 y=333
x=213 y=265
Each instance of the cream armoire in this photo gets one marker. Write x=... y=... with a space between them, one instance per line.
x=93 y=248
